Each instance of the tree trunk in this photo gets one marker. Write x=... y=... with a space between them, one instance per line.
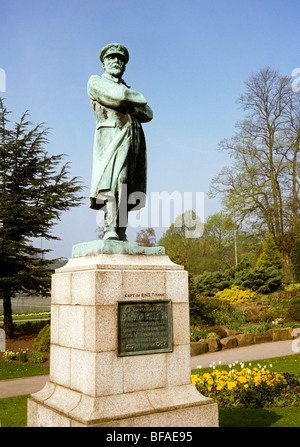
x=7 y=310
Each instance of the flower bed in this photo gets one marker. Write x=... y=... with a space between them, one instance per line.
x=20 y=355
x=243 y=387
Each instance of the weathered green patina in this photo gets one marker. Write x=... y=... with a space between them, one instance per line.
x=119 y=156
x=102 y=246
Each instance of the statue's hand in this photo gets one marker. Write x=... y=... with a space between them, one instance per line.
x=134 y=98
x=143 y=113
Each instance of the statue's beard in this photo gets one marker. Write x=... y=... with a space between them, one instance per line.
x=115 y=70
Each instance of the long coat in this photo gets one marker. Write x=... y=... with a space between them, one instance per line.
x=119 y=153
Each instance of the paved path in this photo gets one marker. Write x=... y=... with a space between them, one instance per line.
x=245 y=353
x=28 y=385
x=24 y=385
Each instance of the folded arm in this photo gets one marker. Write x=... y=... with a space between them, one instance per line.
x=113 y=94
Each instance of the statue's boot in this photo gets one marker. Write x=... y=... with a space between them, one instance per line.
x=122 y=234
x=110 y=233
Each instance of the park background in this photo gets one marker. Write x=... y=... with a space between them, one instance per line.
x=189 y=58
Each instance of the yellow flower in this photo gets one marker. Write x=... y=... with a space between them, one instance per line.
x=231 y=385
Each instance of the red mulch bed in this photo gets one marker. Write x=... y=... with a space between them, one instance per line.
x=23 y=341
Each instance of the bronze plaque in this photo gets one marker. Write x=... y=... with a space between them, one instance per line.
x=144 y=327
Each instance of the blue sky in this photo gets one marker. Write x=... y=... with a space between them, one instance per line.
x=189 y=58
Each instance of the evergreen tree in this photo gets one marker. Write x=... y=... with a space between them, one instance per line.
x=295 y=259
x=270 y=255
x=34 y=190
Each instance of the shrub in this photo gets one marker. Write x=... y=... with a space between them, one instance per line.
x=211 y=335
x=204 y=311
x=42 y=341
x=244 y=264
x=231 y=316
x=272 y=314
x=197 y=334
x=235 y=295
x=261 y=280
x=209 y=283
x=36 y=357
x=293 y=312
x=30 y=327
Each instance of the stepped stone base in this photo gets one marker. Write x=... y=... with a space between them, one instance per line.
x=179 y=406
x=93 y=382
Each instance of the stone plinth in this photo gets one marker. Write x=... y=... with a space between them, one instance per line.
x=90 y=383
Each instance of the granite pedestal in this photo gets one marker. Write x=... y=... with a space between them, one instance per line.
x=91 y=382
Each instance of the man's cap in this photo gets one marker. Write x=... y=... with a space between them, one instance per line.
x=114 y=48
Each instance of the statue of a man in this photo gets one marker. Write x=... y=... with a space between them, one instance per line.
x=119 y=158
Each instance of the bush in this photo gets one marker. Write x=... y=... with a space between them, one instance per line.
x=261 y=280
x=244 y=264
x=293 y=312
x=253 y=329
x=211 y=335
x=235 y=295
x=30 y=327
x=231 y=316
x=203 y=311
x=271 y=314
x=42 y=341
x=197 y=334
x=36 y=357
x=209 y=283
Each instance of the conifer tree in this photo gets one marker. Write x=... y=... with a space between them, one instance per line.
x=270 y=255
x=295 y=259
x=35 y=188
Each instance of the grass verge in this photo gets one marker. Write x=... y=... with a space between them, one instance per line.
x=12 y=370
x=262 y=417
x=13 y=411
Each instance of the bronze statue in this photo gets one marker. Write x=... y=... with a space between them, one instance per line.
x=119 y=158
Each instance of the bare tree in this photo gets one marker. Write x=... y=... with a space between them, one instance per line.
x=261 y=188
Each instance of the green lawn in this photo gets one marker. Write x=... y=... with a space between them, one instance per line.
x=274 y=417
x=13 y=411
x=17 y=316
x=13 y=370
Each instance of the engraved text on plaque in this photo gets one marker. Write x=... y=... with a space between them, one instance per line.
x=144 y=327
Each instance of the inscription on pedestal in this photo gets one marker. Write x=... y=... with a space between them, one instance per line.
x=144 y=327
